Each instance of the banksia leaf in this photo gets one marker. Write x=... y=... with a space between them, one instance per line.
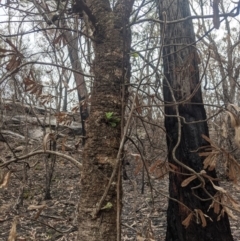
x=187 y=220
x=188 y=180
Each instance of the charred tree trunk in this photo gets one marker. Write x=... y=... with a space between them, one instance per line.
x=111 y=70
x=181 y=80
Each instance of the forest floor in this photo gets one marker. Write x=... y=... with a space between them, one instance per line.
x=55 y=219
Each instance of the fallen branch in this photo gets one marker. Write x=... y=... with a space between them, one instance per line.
x=72 y=160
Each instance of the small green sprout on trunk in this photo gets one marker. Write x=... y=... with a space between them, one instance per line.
x=111 y=119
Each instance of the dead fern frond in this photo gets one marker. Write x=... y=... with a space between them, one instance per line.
x=222 y=203
x=212 y=154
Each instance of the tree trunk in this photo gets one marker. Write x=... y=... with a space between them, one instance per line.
x=181 y=78
x=72 y=39
x=111 y=70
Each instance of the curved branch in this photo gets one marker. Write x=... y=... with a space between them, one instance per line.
x=69 y=158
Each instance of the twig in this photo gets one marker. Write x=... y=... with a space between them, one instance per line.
x=72 y=160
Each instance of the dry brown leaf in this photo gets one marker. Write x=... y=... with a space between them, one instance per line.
x=216 y=207
x=230 y=213
x=213 y=163
x=13 y=232
x=188 y=180
x=6 y=179
x=210 y=162
x=202 y=216
x=46 y=98
x=210 y=141
x=11 y=63
x=187 y=220
x=232 y=172
x=221 y=215
x=234 y=107
x=215 y=203
x=224 y=132
x=233 y=119
x=172 y=167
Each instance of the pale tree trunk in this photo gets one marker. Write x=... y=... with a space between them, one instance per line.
x=73 y=49
x=181 y=77
x=72 y=40
x=111 y=69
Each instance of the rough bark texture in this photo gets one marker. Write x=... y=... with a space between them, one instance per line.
x=182 y=75
x=111 y=69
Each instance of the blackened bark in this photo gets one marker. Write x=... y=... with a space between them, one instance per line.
x=111 y=69
x=181 y=76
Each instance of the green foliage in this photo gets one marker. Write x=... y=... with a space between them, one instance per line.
x=107 y=206
x=109 y=115
x=111 y=119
